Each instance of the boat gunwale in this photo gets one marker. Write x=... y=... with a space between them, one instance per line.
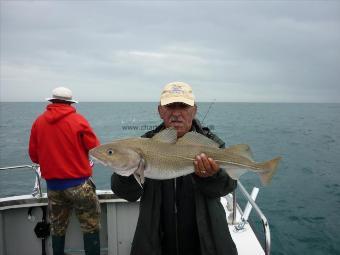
x=22 y=201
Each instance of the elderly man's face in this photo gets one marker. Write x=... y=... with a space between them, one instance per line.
x=178 y=115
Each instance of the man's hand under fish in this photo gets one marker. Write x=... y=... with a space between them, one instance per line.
x=205 y=166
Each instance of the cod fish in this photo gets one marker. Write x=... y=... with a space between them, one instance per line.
x=165 y=157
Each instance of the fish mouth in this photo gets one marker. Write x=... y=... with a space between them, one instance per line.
x=98 y=160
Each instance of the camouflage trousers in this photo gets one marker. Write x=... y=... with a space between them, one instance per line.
x=82 y=199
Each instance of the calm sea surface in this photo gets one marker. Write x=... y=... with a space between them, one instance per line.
x=302 y=203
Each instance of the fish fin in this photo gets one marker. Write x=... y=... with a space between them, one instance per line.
x=168 y=135
x=269 y=170
x=139 y=173
x=241 y=149
x=196 y=138
x=138 y=179
x=234 y=172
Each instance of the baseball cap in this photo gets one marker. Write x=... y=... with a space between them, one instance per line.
x=177 y=92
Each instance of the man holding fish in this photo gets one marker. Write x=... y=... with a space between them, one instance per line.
x=182 y=215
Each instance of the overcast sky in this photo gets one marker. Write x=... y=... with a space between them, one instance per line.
x=255 y=51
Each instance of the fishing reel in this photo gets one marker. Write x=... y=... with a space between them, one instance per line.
x=42 y=228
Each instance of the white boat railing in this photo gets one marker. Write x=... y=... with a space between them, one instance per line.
x=37 y=191
x=246 y=212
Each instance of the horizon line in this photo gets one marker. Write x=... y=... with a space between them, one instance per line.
x=263 y=102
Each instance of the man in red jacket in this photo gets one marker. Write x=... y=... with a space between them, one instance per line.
x=60 y=141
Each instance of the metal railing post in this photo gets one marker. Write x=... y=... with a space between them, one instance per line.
x=234 y=207
x=263 y=218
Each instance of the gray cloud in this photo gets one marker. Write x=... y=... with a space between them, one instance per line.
x=282 y=51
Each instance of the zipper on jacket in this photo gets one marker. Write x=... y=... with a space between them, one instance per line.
x=176 y=214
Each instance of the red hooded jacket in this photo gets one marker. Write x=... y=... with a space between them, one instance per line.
x=60 y=141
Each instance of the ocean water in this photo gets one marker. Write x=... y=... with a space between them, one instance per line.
x=302 y=204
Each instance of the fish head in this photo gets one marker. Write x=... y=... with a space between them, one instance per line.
x=124 y=160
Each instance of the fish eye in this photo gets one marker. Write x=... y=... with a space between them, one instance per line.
x=110 y=152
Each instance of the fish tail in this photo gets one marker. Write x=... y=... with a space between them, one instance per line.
x=269 y=168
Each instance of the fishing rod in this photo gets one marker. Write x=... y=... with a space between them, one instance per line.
x=206 y=114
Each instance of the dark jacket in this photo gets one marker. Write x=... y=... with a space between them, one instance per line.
x=201 y=199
